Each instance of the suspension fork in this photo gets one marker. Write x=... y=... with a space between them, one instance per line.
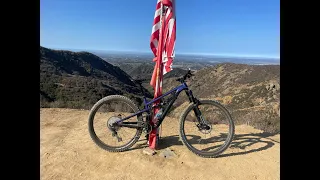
x=195 y=106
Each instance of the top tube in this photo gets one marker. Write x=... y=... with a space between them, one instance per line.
x=177 y=89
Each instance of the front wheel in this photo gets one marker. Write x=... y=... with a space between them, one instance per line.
x=212 y=135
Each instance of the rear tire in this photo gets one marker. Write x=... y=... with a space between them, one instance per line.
x=92 y=131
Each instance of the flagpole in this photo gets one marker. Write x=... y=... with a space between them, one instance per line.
x=153 y=140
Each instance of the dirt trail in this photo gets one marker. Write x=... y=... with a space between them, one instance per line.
x=67 y=152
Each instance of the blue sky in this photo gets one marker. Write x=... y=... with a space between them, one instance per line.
x=221 y=27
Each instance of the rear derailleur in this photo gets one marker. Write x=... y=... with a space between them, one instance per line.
x=113 y=126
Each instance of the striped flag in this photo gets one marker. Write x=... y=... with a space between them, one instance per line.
x=162 y=44
x=168 y=42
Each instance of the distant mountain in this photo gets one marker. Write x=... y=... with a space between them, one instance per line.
x=137 y=70
x=175 y=73
x=79 y=79
x=145 y=70
x=185 y=61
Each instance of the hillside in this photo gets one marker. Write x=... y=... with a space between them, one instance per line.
x=144 y=70
x=137 y=70
x=250 y=92
x=67 y=152
x=79 y=79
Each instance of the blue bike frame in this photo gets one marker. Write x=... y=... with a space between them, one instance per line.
x=147 y=107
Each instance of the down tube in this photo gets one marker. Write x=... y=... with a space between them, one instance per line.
x=169 y=106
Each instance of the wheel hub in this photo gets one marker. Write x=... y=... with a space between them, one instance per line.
x=111 y=123
x=205 y=128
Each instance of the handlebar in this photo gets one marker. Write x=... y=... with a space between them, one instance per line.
x=187 y=75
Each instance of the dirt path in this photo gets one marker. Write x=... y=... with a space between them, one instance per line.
x=67 y=152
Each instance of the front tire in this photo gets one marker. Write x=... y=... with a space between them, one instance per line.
x=229 y=121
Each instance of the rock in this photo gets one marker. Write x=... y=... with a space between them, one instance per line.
x=268 y=87
x=274 y=90
x=167 y=153
x=148 y=151
x=273 y=86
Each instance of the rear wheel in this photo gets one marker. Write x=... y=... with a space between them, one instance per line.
x=104 y=113
x=211 y=137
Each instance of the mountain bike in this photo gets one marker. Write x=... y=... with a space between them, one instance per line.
x=119 y=114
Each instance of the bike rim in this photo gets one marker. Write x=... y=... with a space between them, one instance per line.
x=208 y=141
x=110 y=111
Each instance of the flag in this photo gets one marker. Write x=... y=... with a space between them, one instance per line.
x=168 y=28
x=162 y=44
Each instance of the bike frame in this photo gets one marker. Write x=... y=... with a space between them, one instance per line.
x=148 y=107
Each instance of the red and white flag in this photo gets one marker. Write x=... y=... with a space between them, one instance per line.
x=168 y=28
